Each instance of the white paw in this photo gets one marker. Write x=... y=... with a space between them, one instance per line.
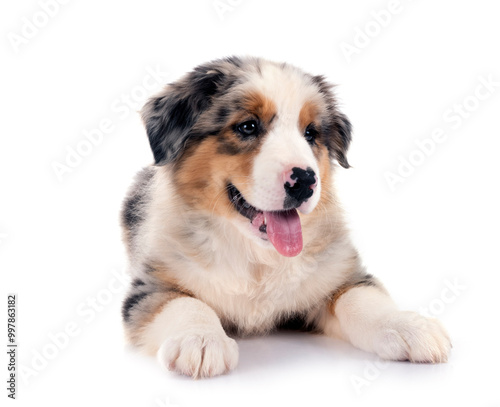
x=199 y=354
x=409 y=336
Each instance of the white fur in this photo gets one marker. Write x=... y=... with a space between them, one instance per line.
x=190 y=339
x=238 y=278
x=369 y=319
x=284 y=146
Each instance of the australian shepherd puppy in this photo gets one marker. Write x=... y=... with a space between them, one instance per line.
x=236 y=228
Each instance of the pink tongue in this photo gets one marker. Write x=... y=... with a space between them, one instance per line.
x=284 y=232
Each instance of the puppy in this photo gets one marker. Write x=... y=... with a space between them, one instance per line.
x=236 y=229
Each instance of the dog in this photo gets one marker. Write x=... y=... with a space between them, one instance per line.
x=236 y=229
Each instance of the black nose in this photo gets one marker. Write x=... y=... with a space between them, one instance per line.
x=299 y=186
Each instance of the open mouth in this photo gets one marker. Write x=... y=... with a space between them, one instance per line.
x=282 y=228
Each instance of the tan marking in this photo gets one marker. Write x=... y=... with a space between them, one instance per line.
x=308 y=114
x=257 y=104
x=205 y=170
x=203 y=174
x=344 y=288
x=335 y=296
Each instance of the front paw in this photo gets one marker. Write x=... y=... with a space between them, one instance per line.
x=199 y=354
x=410 y=336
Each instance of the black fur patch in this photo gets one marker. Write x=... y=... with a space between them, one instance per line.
x=167 y=127
x=357 y=279
x=228 y=148
x=148 y=268
x=138 y=282
x=368 y=279
x=235 y=61
x=130 y=302
x=133 y=212
x=337 y=128
x=230 y=327
x=222 y=115
x=170 y=118
x=343 y=128
x=295 y=322
x=323 y=85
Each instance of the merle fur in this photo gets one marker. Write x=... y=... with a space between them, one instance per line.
x=170 y=117
x=130 y=302
x=133 y=210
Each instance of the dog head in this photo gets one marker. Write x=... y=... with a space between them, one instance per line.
x=252 y=141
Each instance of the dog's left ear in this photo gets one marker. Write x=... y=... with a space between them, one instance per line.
x=343 y=128
x=170 y=116
x=337 y=125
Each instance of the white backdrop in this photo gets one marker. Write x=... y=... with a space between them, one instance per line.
x=420 y=81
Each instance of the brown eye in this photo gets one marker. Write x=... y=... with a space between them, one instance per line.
x=248 y=128
x=310 y=134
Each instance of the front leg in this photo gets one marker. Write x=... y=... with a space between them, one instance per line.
x=185 y=334
x=363 y=313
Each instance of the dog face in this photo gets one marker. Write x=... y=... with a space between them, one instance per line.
x=252 y=141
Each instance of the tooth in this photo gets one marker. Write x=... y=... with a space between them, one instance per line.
x=265 y=221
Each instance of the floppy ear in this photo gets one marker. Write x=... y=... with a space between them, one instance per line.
x=170 y=115
x=338 y=126
x=342 y=126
